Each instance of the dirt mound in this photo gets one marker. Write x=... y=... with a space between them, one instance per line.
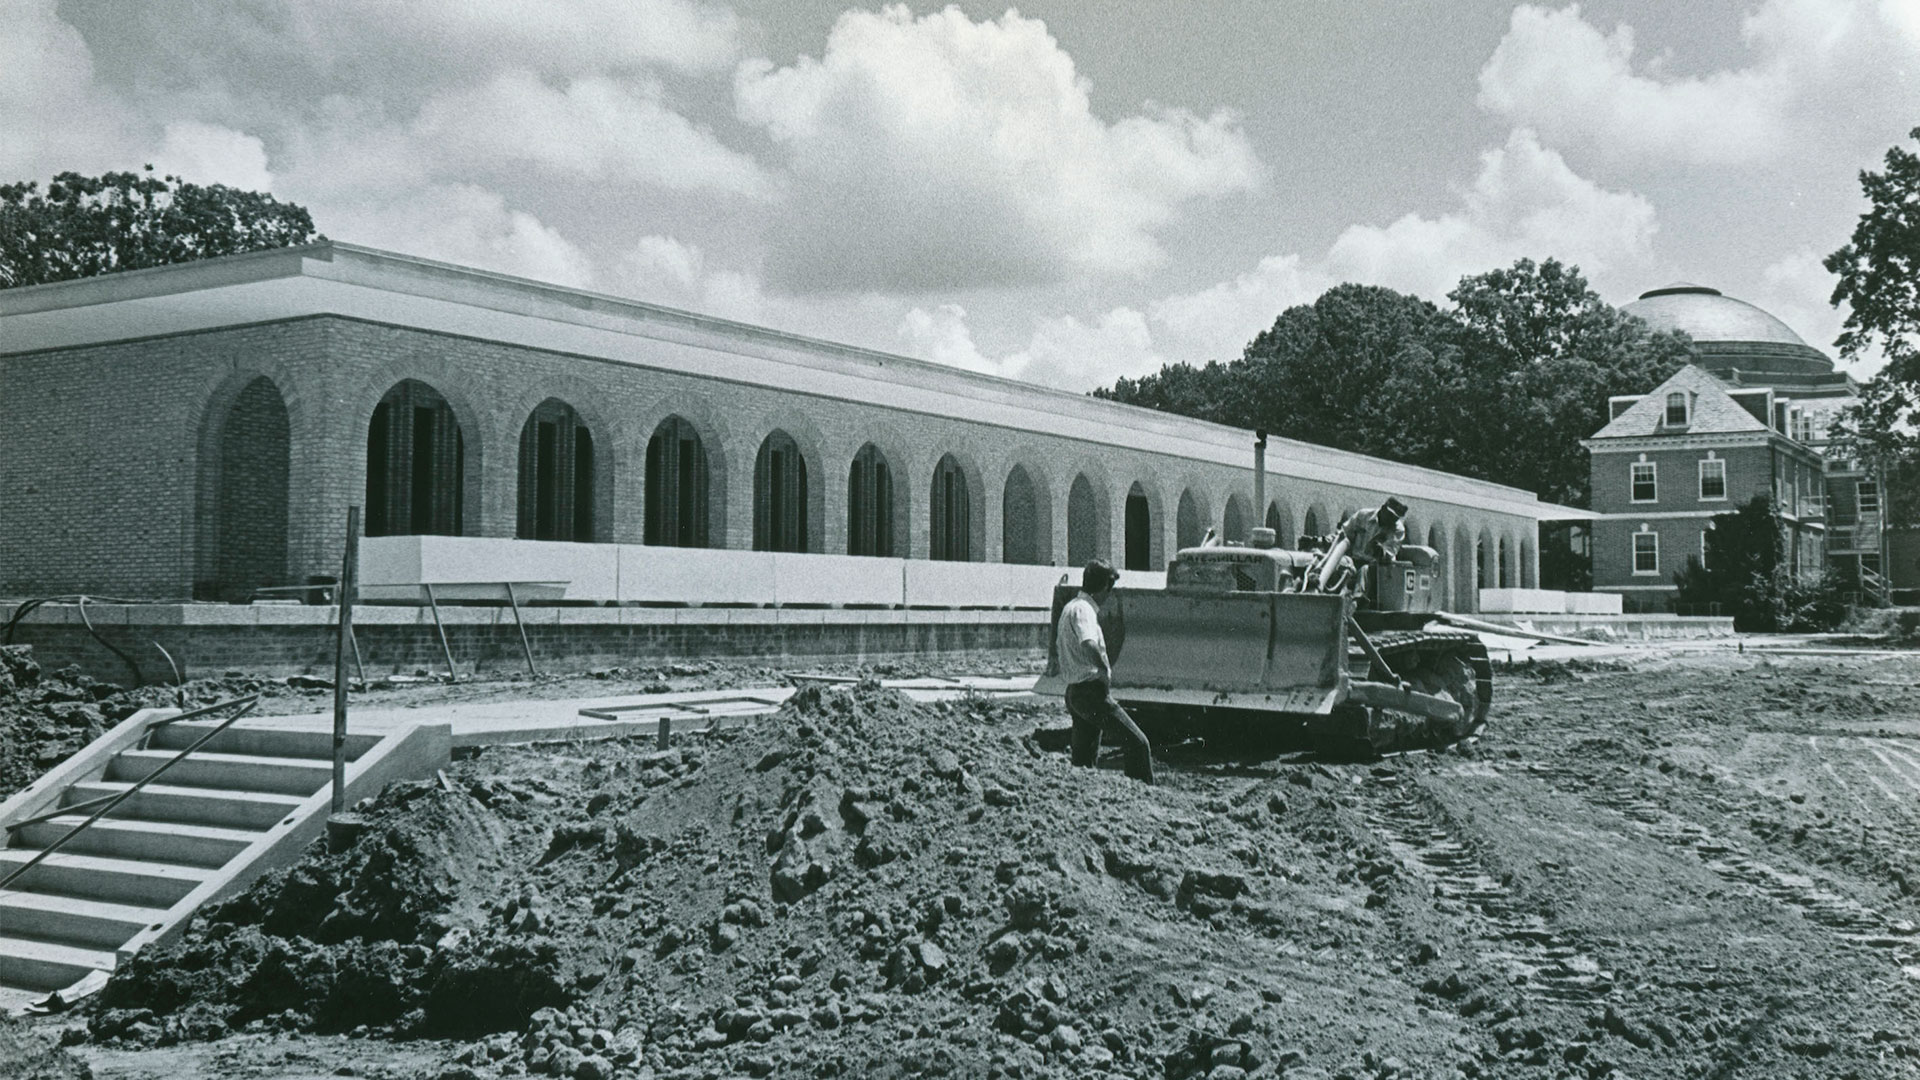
x=859 y=886
x=45 y=716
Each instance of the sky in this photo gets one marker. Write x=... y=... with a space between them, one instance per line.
x=1065 y=192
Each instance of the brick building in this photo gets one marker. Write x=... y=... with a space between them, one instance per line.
x=201 y=429
x=1750 y=417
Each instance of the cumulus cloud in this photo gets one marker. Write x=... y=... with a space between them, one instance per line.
x=939 y=153
x=665 y=270
x=457 y=223
x=1822 y=72
x=211 y=154
x=596 y=127
x=1064 y=352
x=1525 y=202
x=48 y=97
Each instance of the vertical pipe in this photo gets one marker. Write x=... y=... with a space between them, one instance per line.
x=349 y=565
x=1259 y=479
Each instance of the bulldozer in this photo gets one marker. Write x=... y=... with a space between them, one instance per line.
x=1336 y=645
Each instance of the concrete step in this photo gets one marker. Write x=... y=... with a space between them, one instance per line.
x=235 y=772
x=195 y=806
x=268 y=742
x=93 y=877
x=123 y=838
x=72 y=921
x=44 y=966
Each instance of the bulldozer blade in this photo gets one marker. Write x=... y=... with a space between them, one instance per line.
x=1264 y=652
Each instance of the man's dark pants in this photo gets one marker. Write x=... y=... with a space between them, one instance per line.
x=1093 y=709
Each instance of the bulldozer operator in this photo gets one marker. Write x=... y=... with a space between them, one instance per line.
x=1082 y=649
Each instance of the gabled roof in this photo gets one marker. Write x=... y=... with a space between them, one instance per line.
x=1713 y=411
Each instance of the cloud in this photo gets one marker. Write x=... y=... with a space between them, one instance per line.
x=1525 y=202
x=456 y=223
x=595 y=127
x=211 y=154
x=48 y=97
x=1216 y=323
x=1064 y=352
x=939 y=153
x=1822 y=73
x=664 y=270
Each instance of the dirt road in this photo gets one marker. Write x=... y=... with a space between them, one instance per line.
x=1692 y=866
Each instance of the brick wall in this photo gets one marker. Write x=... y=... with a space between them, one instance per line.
x=110 y=473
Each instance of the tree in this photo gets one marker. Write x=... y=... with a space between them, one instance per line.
x=1748 y=575
x=89 y=225
x=1543 y=353
x=1879 y=272
x=1362 y=368
x=1502 y=387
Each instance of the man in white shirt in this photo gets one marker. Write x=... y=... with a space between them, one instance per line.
x=1082 y=651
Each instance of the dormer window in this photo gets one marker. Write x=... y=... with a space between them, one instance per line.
x=1676 y=409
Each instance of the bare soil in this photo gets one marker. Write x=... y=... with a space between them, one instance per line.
x=1698 y=866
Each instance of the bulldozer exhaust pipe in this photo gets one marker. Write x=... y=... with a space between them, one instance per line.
x=1260 y=477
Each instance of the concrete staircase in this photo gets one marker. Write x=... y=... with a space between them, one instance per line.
x=248 y=801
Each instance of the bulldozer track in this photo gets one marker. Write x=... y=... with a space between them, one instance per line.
x=1539 y=960
x=1848 y=919
x=1416 y=645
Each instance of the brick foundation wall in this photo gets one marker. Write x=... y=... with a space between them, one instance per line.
x=276 y=641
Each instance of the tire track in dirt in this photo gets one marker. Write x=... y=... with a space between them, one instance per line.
x=1537 y=959
x=1847 y=919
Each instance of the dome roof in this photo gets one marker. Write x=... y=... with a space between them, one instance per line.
x=1706 y=315
x=1729 y=334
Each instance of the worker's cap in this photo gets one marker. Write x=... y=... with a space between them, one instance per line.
x=1098 y=575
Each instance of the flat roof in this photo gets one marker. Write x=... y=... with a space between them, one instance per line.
x=333 y=278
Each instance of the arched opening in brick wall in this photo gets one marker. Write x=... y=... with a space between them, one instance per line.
x=1281 y=522
x=950 y=520
x=1234 y=521
x=870 y=504
x=556 y=475
x=1139 y=528
x=1020 y=520
x=416 y=464
x=677 y=481
x=1188 y=526
x=1313 y=525
x=779 y=495
x=1088 y=527
x=242 y=501
x=1487 y=556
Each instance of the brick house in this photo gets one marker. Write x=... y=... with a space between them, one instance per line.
x=1751 y=416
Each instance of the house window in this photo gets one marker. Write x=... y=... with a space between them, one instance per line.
x=1802 y=423
x=1644 y=488
x=1646 y=553
x=1868 y=499
x=1676 y=409
x=1713 y=478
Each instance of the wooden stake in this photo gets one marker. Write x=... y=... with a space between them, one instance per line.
x=343 y=646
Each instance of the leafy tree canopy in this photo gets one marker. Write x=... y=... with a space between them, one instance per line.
x=1879 y=271
x=89 y=225
x=1502 y=386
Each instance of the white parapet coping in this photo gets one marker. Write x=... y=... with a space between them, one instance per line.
x=1547 y=602
x=462 y=567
